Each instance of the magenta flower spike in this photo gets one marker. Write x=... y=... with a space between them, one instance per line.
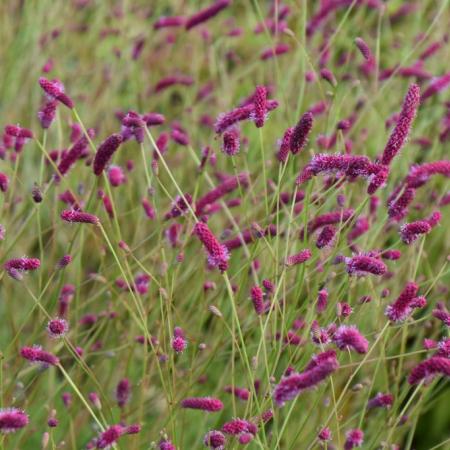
x=230 y=142
x=354 y=438
x=227 y=186
x=104 y=153
x=298 y=258
x=215 y=440
x=206 y=13
x=381 y=401
x=73 y=216
x=54 y=90
x=217 y=253
x=401 y=131
x=260 y=100
x=257 y=297
x=361 y=265
x=364 y=49
x=57 y=328
x=209 y=404
x=22 y=264
x=319 y=368
x=36 y=355
x=428 y=369
x=299 y=136
x=349 y=338
x=123 y=392
x=12 y=420
x=402 y=307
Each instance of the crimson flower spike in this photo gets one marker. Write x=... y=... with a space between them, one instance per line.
x=218 y=254
x=54 y=90
x=207 y=13
x=260 y=100
x=301 y=131
x=105 y=152
x=364 y=49
x=400 y=133
x=209 y=404
x=12 y=420
x=73 y=216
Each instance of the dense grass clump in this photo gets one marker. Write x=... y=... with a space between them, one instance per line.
x=224 y=224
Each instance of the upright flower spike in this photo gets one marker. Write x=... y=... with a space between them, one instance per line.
x=285 y=145
x=12 y=420
x=257 y=296
x=208 y=404
x=402 y=128
x=206 y=14
x=326 y=237
x=218 y=254
x=77 y=151
x=47 y=114
x=104 y=153
x=300 y=133
x=260 y=100
x=179 y=342
x=123 y=391
x=349 y=338
x=230 y=141
x=4 y=182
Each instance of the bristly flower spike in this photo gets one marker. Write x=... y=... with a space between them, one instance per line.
x=74 y=216
x=218 y=254
x=300 y=133
x=12 y=420
x=105 y=152
x=257 y=296
x=206 y=13
x=349 y=337
x=354 y=438
x=57 y=328
x=208 y=404
x=260 y=100
x=400 y=133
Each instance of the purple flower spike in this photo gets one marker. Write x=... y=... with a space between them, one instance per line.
x=12 y=420
x=209 y=404
x=400 y=133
